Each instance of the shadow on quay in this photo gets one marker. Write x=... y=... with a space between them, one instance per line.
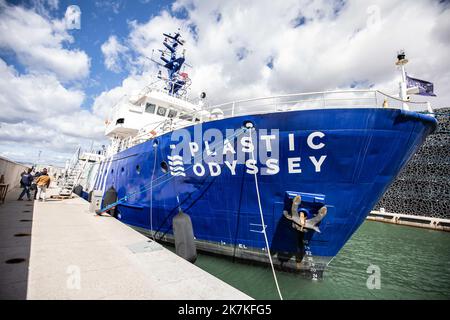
x=16 y=219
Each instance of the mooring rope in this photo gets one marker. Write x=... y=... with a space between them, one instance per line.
x=155 y=146
x=262 y=218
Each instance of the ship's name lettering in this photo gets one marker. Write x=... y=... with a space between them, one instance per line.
x=213 y=163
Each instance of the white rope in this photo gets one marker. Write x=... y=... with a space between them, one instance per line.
x=151 y=191
x=262 y=220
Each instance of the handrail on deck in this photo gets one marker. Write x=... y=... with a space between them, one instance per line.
x=288 y=102
x=325 y=99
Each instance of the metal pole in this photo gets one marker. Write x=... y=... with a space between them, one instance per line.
x=430 y=109
x=403 y=94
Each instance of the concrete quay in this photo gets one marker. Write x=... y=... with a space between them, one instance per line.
x=59 y=250
x=418 y=221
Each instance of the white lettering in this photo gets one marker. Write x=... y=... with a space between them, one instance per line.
x=232 y=166
x=247 y=145
x=198 y=166
x=214 y=172
x=228 y=147
x=208 y=151
x=294 y=165
x=193 y=146
x=272 y=167
x=251 y=166
x=311 y=143
x=291 y=142
x=317 y=164
x=267 y=138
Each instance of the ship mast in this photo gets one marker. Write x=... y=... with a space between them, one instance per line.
x=401 y=62
x=176 y=82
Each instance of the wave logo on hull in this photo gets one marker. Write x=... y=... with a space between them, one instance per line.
x=176 y=166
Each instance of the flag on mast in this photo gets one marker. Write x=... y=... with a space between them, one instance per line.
x=420 y=87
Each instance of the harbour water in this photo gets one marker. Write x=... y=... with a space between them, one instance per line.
x=414 y=263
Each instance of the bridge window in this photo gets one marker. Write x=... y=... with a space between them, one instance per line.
x=150 y=108
x=172 y=113
x=161 y=111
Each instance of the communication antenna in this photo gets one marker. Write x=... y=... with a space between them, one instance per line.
x=401 y=62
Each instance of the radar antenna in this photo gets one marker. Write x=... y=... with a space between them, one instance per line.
x=177 y=81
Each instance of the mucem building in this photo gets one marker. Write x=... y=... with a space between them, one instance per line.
x=423 y=187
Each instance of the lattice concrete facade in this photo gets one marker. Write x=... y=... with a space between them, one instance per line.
x=423 y=187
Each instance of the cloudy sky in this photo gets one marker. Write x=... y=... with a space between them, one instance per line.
x=58 y=79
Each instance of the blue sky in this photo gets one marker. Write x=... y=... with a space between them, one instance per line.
x=58 y=84
x=99 y=19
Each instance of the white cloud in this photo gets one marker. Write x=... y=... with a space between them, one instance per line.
x=313 y=45
x=39 y=110
x=43 y=7
x=112 y=52
x=38 y=43
x=39 y=113
x=34 y=96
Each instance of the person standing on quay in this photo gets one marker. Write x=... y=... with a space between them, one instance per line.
x=25 y=183
x=43 y=182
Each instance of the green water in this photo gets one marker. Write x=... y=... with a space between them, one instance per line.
x=414 y=264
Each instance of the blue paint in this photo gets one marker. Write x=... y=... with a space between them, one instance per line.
x=365 y=148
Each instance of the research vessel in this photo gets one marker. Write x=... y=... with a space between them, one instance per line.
x=290 y=177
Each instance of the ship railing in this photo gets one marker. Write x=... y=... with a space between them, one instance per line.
x=317 y=100
x=281 y=103
x=390 y=101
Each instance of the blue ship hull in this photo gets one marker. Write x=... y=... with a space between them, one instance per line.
x=364 y=151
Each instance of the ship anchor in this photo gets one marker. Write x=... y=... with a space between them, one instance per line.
x=299 y=221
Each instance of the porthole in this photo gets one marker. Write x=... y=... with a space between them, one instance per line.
x=138 y=169
x=122 y=170
x=164 y=167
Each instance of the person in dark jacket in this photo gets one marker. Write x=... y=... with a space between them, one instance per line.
x=25 y=183
x=33 y=184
